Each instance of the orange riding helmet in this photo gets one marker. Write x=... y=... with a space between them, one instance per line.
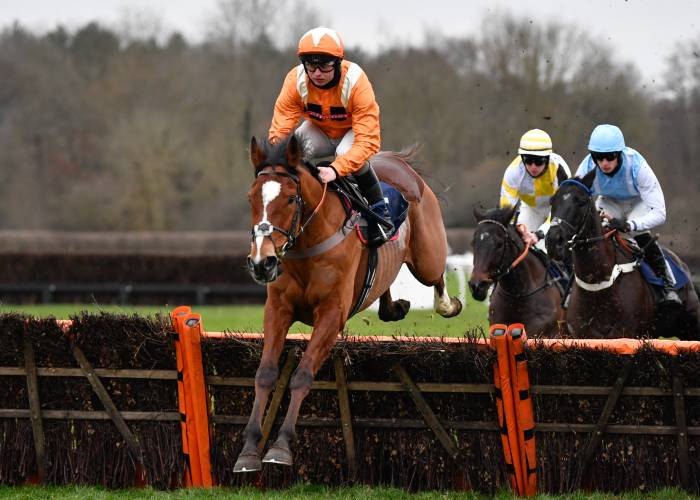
x=321 y=40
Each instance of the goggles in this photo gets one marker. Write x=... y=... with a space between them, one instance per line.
x=538 y=161
x=323 y=67
x=610 y=156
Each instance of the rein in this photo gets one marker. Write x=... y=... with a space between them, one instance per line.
x=513 y=264
x=576 y=240
x=548 y=282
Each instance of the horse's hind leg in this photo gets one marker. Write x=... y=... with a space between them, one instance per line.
x=392 y=310
x=277 y=322
x=427 y=252
x=446 y=306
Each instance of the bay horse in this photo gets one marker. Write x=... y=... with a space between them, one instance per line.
x=524 y=290
x=609 y=298
x=314 y=268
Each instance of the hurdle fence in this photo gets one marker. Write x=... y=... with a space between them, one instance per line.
x=210 y=407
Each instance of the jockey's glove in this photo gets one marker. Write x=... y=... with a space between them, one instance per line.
x=621 y=225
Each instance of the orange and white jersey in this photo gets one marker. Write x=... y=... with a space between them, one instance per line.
x=348 y=105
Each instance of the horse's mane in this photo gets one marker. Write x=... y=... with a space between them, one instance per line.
x=275 y=154
x=498 y=214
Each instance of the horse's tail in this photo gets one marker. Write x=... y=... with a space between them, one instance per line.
x=409 y=154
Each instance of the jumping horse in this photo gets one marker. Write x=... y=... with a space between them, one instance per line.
x=610 y=298
x=304 y=248
x=525 y=291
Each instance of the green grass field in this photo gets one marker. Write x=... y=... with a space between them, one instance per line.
x=249 y=318
x=304 y=491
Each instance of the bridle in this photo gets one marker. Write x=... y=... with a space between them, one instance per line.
x=265 y=229
x=576 y=239
x=501 y=261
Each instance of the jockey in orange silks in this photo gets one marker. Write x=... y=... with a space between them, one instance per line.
x=340 y=117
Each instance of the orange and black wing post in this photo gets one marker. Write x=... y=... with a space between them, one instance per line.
x=523 y=407
x=505 y=405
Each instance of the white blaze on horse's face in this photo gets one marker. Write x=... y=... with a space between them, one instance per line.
x=484 y=235
x=270 y=191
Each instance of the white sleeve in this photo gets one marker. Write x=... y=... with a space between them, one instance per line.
x=584 y=167
x=563 y=164
x=652 y=197
x=510 y=185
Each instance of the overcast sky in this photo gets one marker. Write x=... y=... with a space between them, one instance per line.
x=642 y=31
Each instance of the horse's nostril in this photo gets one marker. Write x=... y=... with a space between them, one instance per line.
x=270 y=262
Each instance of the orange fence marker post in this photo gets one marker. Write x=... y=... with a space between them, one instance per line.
x=191 y=477
x=506 y=407
x=192 y=397
x=198 y=415
x=523 y=407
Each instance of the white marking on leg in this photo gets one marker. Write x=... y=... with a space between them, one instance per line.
x=270 y=191
x=443 y=303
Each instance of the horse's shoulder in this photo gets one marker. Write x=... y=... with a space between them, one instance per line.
x=395 y=169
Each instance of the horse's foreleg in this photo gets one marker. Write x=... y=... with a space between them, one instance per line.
x=392 y=310
x=275 y=332
x=445 y=306
x=326 y=329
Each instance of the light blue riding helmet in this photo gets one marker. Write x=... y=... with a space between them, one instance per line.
x=606 y=139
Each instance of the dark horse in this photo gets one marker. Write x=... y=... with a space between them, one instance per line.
x=524 y=291
x=610 y=297
x=315 y=270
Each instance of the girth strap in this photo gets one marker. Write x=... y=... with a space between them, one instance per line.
x=617 y=270
x=372 y=261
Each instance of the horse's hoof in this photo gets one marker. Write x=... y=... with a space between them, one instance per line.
x=278 y=456
x=396 y=311
x=454 y=310
x=248 y=463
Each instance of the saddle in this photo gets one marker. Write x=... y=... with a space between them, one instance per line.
x=354 y=202
x=679 y=274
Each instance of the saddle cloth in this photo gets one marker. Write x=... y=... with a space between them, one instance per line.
x=398 y=209
x=681 y=277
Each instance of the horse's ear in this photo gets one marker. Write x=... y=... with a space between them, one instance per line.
x=510 y=213
x=479 y=214
x=293 y=153
x=257 y=154
x=588 y=179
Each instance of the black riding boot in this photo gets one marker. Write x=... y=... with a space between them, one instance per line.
x=657 y=261
x=367 y=181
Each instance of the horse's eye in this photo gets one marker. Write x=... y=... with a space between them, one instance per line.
x=291 y=200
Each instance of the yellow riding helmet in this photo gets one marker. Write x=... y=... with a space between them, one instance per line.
x=321 y=40
x=535 y=142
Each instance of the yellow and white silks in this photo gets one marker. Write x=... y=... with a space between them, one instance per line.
x=534 y=192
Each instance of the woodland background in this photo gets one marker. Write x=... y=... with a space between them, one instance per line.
x=105 y=129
